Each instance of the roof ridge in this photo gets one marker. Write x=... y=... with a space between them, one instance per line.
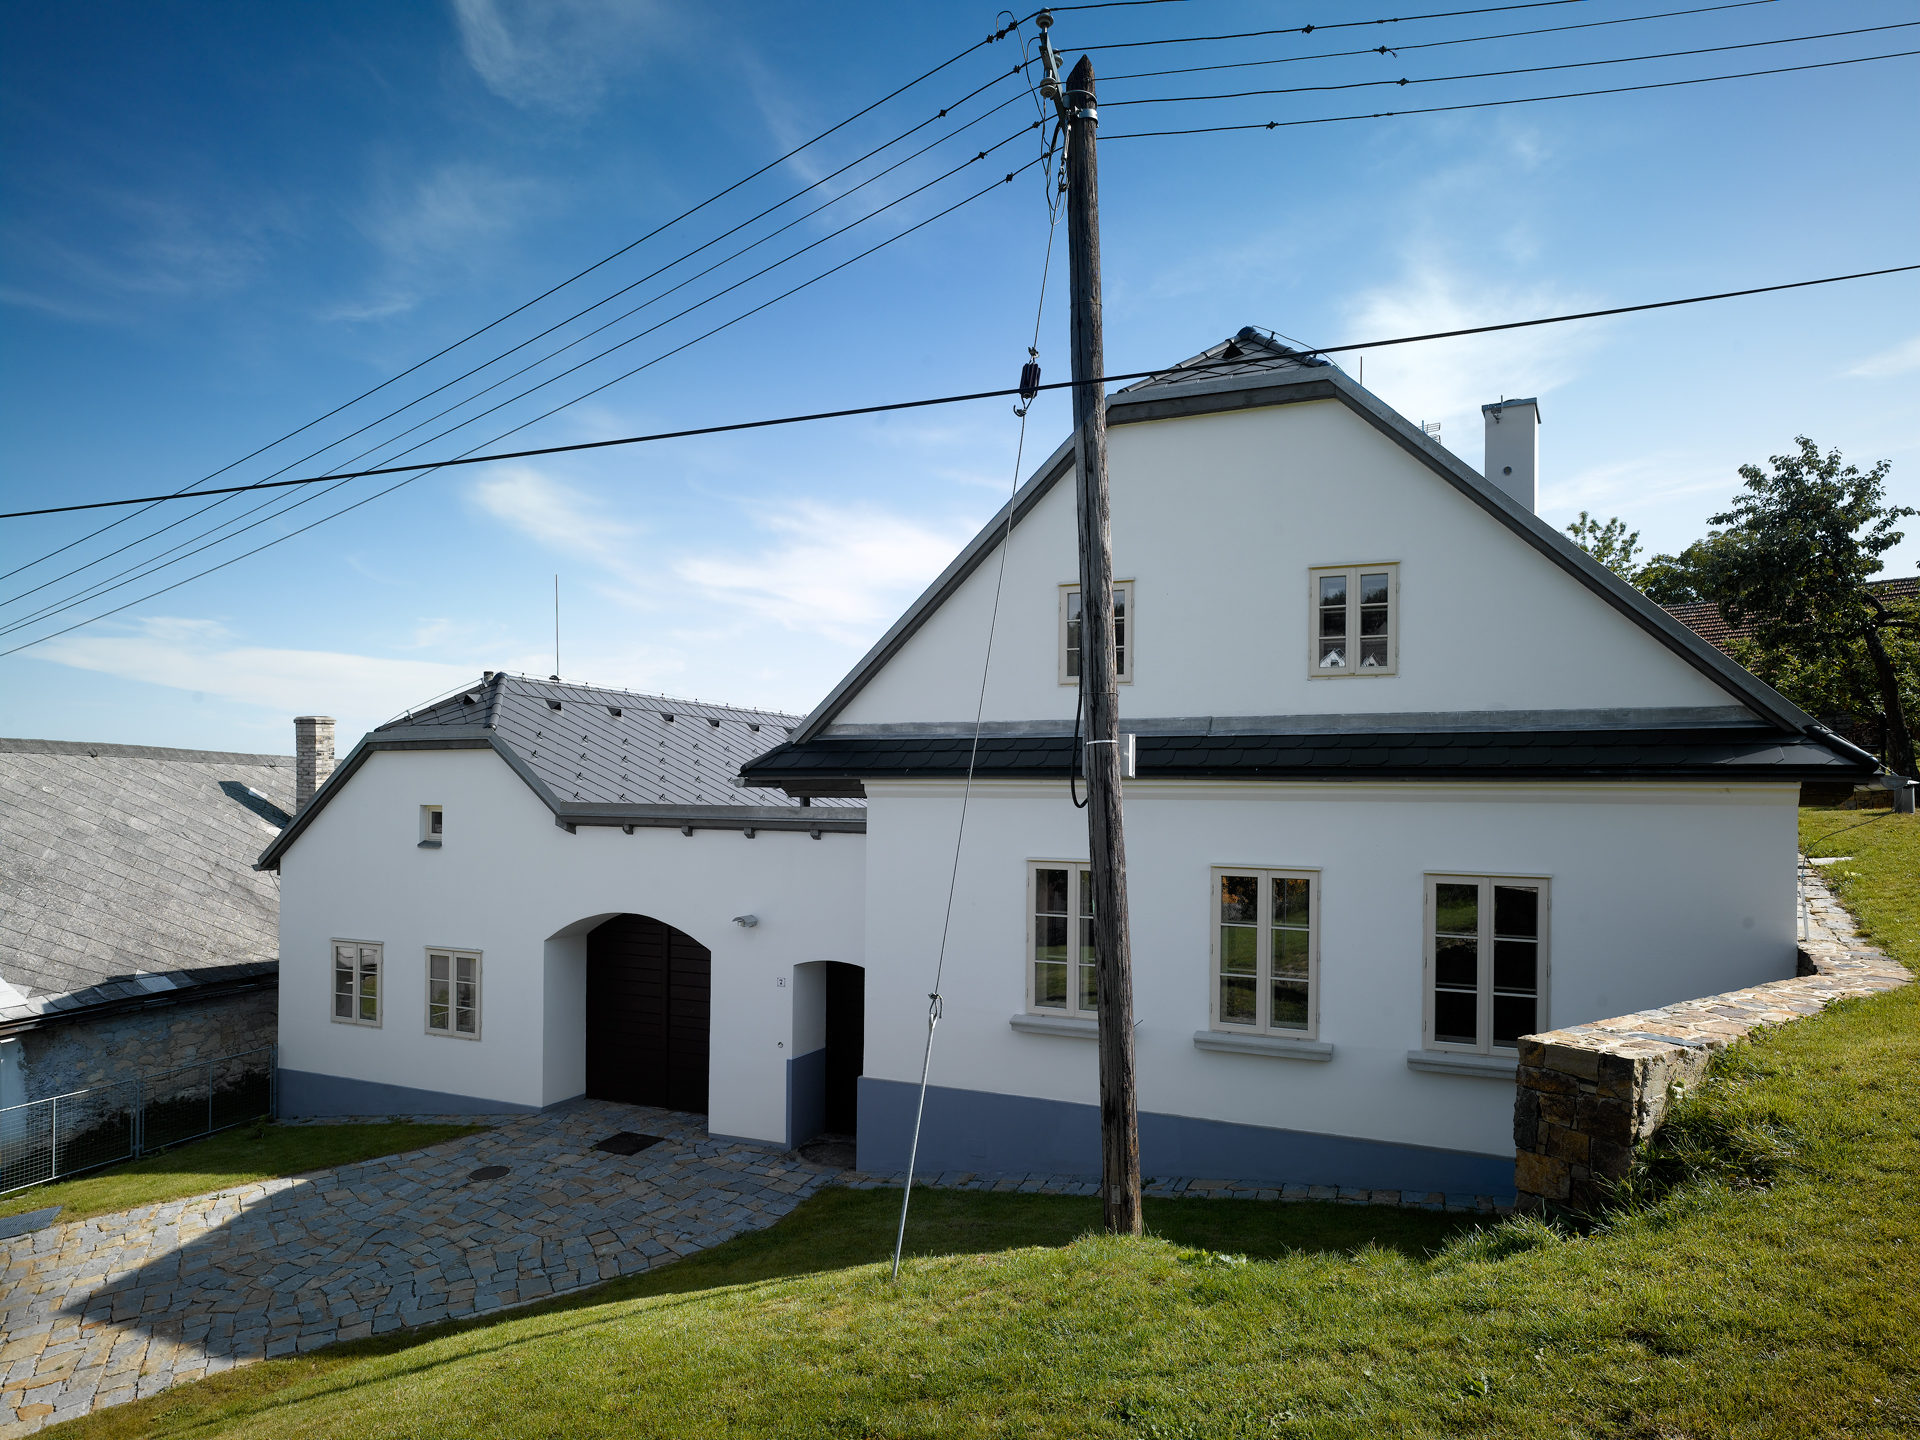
x=99 y=749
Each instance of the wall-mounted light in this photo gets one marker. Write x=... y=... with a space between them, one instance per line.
x=746 y=922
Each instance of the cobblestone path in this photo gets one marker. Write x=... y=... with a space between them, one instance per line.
x=101 y=1311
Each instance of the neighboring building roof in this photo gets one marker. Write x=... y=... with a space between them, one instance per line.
x=1733 y=752
x=137 y=992
x=1263 y=373
x=603 y=757
x=125 y=860
x=1705 y=620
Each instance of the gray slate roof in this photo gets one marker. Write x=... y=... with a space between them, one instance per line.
x=120 y=859
x=603 y=757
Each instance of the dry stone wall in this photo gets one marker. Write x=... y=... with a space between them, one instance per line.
x=62 y=1058
x=1588 y=1094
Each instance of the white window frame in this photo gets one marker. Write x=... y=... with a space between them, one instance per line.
x=1483 y=975
x=356 y=995
x=1352 y=574
x=1078 y=878
x=1130 y=635
x=1263 y=969
x=453 y=956
x=433 y=826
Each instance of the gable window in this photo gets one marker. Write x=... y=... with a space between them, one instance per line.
x=1354 y=620
x=1060 y=968
x=356 y=982
x=432 y=823
x=1070 y=632
x=1266 y=951
x=1486 y=962
x=453 y=993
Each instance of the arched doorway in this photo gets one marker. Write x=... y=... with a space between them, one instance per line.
x=649 y=1008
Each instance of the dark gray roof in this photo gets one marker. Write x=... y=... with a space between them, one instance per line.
x=121 y=859
x=1267 y=373
x=604 y=757
x=1732 y=752
x=143 y=992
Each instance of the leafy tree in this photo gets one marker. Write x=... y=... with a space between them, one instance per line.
x=1685 y=578
x=1793 y=564
x=1609 y=543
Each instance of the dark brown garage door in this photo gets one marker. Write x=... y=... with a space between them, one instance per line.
x=648 y=1005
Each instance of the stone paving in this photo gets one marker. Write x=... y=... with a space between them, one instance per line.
x=96 y=1312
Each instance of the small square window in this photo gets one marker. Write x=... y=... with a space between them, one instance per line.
x=1123 y=637
x=1353 y=626
x=356 y=982
x=432 y=825
x=453 y=993
x=1486 y=962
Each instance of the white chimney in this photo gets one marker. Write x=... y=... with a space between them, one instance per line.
x=1513 y=448
x=312 y=756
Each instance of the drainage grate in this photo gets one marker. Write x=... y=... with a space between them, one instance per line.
x=488 y=1172
x=627 y=1142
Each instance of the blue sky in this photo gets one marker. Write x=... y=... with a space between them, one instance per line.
x=221 y=221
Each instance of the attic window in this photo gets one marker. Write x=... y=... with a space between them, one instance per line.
x=1353 y=620
x=553 y=704
x=614 y=711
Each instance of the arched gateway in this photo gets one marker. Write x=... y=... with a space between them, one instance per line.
x=649 y=1007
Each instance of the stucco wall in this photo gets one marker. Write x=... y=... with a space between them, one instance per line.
x=511 y=884
x=1625 y=934
x=1216 y=520
x=59 y=1059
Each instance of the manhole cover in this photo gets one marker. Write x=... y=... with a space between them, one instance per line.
x=832 y=1152
x=488 y=1172
x=628 y=1142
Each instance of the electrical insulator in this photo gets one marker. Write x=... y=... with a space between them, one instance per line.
x=1030 y=380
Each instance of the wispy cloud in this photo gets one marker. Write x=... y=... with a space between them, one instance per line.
x=1900 y=360
x=1450 y=380
x=556 y=55
x=200 y=656
x=840 y=571
x=558 y=517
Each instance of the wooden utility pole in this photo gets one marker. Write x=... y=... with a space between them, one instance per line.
x=1106 y=845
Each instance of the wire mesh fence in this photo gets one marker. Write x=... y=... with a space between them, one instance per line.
x=85 y=1129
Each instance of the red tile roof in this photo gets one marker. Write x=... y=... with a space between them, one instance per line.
x=1705 y=620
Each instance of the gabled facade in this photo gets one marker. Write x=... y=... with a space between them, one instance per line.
x=530 y=891
x=1415 y=777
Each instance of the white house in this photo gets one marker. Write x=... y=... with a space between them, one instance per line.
x=1415 y=777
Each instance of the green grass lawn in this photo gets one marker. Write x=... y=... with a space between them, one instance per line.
x=233 y=1157
x=1787 y=1309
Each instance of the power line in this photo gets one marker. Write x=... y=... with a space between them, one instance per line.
x=1525 y=70
x=554 y=289
x=1496 y=104
x=155 y=564
x=1437 y=44
x=1331 y=25
x=431 y=467
x=1015 y=390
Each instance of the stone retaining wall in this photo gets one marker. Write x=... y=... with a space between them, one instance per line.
x=63 y=1058
x=1589 y=1094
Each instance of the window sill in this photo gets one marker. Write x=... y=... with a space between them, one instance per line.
x=1278 y=1047
x=429 y=844
x=1073 y=1027
x=1452 y=1062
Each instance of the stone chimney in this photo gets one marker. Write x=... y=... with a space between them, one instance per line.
x=312 y=756
x=1513 y=449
